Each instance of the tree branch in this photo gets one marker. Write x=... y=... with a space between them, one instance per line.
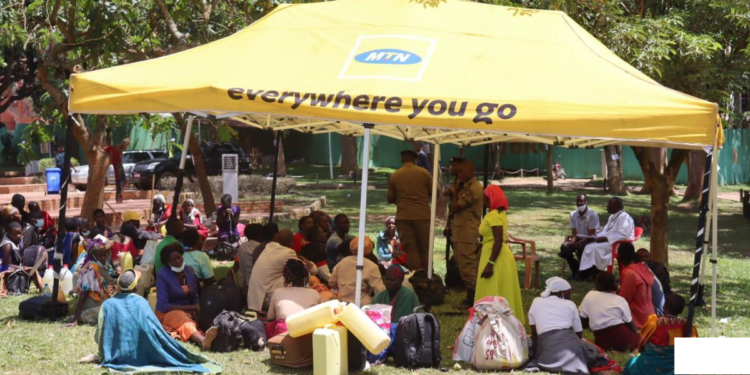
x=180 y=37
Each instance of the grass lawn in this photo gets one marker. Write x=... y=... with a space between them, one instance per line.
x=34 y=348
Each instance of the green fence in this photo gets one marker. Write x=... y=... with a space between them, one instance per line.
x=734 y=159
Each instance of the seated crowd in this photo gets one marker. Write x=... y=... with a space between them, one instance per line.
x=280 y=273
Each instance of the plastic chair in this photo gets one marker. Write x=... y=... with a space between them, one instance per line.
x=531 y=260
x=637 y=233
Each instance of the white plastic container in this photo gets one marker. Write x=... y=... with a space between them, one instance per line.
x=47 y=280
x=66 y=280
x=363 y=328
x=330 y=355
x=306 y=321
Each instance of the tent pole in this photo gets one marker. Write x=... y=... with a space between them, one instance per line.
x=714 y=235
x=185 y=143
x=362 y=214
x=700 y=240
x=486 y=172
x=433 y=206
x=330 y=156
x=71 y=147
x=277 y=141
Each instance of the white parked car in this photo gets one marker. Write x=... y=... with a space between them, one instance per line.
x=80 y=175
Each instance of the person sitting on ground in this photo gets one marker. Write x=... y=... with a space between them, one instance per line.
x=74 y=242
x=123 y=242
x=175 y=229
x=100 y=222
x=253 y=234
x=608 y=316
x=227 y=217
x=597 y=256
x=555 y=324
x=191 y=218
x=94 y=282
x=344 y=277
x=657 y=340
x=19 y=202
x=661 y=272
x=294 y=297
x=584 y=222
x=402 y=299
x=341 y=235
x=636 y=282
x=10 y=247
x=177 y=302
x=304 y=224
x=315 y=252
x=160 y=213
x=143 y=236
x=41 y=217
x=131 y=339
x=32 y=233
x=268 y=271
x=196 y=259
x=389 y=245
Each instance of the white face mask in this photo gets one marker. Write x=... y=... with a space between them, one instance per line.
x=178 y=269
x=582 y=209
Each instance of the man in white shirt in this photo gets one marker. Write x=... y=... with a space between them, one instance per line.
x=268 y=271
x=608 y=316
x=583 y=225
x=598 y=255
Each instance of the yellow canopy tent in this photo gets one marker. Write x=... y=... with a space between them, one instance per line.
x=440 y=71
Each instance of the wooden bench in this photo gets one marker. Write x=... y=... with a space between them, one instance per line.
x=530 y=259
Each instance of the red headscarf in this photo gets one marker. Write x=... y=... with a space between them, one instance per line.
x=497 y=197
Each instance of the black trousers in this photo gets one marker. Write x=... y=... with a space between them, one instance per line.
x=569 y=252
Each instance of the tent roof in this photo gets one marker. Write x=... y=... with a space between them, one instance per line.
x=441 y=71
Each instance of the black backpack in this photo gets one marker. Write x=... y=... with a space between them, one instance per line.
x=18 y=283
x=417 y=342
x=215 y=299
x=40 y=307
x=253 y=333
x=230 y=334
x=430 y=293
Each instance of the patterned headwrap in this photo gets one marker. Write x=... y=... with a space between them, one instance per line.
x=497 y=197
x=294 y=271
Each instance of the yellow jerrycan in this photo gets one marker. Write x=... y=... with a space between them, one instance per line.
x=306 y=321
x=152 y=299
x=126 y=262
x=330 y=356
x=363 y=328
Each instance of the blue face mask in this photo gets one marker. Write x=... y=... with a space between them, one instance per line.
x=40 y=223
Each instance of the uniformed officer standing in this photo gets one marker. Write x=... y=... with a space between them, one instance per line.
x=466 y=211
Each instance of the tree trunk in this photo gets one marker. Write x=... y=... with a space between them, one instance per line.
x=615 y=180
x=209 y=205
x=662 y=185
x=282 y=163
x=349 y=156
x=550 y=166
x=99 y=161
x=696 y=168
x=497 y=166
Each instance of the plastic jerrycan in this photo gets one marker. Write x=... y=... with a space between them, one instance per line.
x=306 y=321
x=330 y=356
x=48 y=279
x=126 y=262
x=363 y=328
x=152 y=299
x=66 y=280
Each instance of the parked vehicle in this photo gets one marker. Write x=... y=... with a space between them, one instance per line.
x=164 y=168
x=79 y=176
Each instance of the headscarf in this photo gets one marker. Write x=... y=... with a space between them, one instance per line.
x=190 y=218
x=354 y=244
x=160 y=198
x=555 y=284
x=395 y=271
x=497 y=197
x=128 y=280
x=294 y=271
x=8 y=211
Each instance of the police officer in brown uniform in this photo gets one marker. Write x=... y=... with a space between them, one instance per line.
x=410 y=189
x=466 y=215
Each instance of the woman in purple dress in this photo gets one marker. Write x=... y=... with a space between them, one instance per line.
x=227 y=217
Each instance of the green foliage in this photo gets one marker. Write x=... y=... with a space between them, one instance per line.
x=225 y=133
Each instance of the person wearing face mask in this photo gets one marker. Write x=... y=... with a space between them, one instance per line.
x=94 y=283
x=555 y=324
x=178 y=304
x=597 y=256
x=42 y=218
x=583 y=225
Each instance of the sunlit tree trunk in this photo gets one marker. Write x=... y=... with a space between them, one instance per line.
x=615 y=180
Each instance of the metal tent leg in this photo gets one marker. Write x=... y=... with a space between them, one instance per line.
x=433 y=206
x=362 y=214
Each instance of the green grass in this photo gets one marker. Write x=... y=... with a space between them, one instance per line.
x=38 y=347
